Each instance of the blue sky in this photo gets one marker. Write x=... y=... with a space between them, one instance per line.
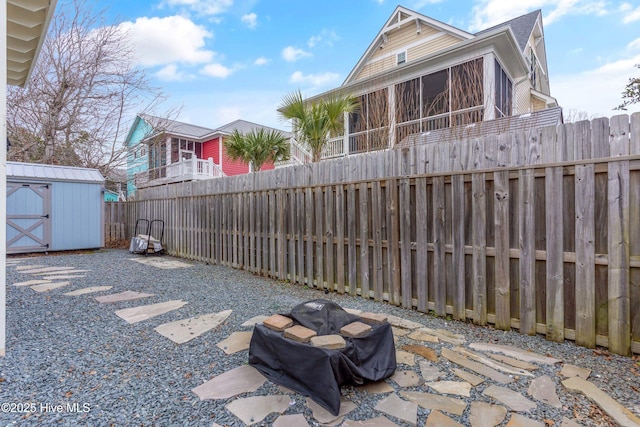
x=220 y=60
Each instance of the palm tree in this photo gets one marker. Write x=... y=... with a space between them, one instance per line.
x=315 y=122
x=257 y=147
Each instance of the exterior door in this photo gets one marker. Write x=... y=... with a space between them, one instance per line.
x=28 y=217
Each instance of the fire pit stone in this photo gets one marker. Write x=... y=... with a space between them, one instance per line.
x=355 y=329
x=299 y=333
x=278 y=322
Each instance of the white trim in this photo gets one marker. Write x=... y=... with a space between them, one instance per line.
x=3 y=178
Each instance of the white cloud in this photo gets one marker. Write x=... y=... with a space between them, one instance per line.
x=170 y=73
x=322 y=79
x=174 y=39
x=605 y=85
x=292 y=54
x=261 y=61
x=487 y=13
x=634 y=45
x=327 y=36
x=630 y=14
x=216 y=70
x=250 y=20
x=206 y=7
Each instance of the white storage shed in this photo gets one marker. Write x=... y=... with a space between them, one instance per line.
x=53 y=208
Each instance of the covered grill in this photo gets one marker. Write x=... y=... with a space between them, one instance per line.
x=319 y=372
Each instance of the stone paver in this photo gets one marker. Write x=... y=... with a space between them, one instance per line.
x=252 y=410
x=28 y=267
x=426 y=352
x=144 y=312
x=122 y=296
x=438 y=419
x=355 y=330
x=373 y=422
x=460 y=388
x=296 y=420
x=353 y=311
x=527 y=356
x=32 y=282
x=64 y=276
x=406 y=378
x=89 y=290
x=486 y=415
x=518 y=420
x=544 y=389
x=401 y=409
x=420 y=335
x=325 y=417
x=299 y=333
x=255 y=320
x=406 y=358
x=472 y=379
x=182 y=331
x=373 y=318
x=278 y=322
x=619 y=413
x=46 y=270
x=492 y=363
x=243 y=379
x=331 y=342
x=435 y=401
x=237 y=341
x=399 y=332
x=444 y=335
x=399 y=322
x=430 y=372
x=512 y=361
x=512 y=399
x=475 y=366
x=575 y=371
x=376 y=388
x=165 y=264
x=45 y=287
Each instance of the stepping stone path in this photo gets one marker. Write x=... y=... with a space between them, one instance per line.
x=447 y=366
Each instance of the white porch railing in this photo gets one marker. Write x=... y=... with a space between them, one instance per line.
x=300 y=155
x=194 y=168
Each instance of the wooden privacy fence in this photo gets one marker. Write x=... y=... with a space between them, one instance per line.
x=546 y=241
x=115 y=221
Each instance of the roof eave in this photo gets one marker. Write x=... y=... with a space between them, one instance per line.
x=20 y=78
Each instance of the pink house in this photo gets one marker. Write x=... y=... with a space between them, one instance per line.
x=161 y=151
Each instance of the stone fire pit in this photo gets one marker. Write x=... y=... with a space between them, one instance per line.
x=319 y=347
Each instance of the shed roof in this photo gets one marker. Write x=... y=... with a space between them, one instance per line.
x=34 y=171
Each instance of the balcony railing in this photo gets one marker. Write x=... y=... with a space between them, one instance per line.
x=194 y=169
x=184 y=170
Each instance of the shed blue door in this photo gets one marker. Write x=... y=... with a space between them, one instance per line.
x=28 y=217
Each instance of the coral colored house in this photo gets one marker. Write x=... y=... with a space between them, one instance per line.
x=162 y=151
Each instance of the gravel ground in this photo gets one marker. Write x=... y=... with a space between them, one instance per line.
x=71 y=350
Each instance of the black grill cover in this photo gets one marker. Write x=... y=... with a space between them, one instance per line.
x=316 y=372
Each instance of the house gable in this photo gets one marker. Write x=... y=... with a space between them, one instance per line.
x=409 y=34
